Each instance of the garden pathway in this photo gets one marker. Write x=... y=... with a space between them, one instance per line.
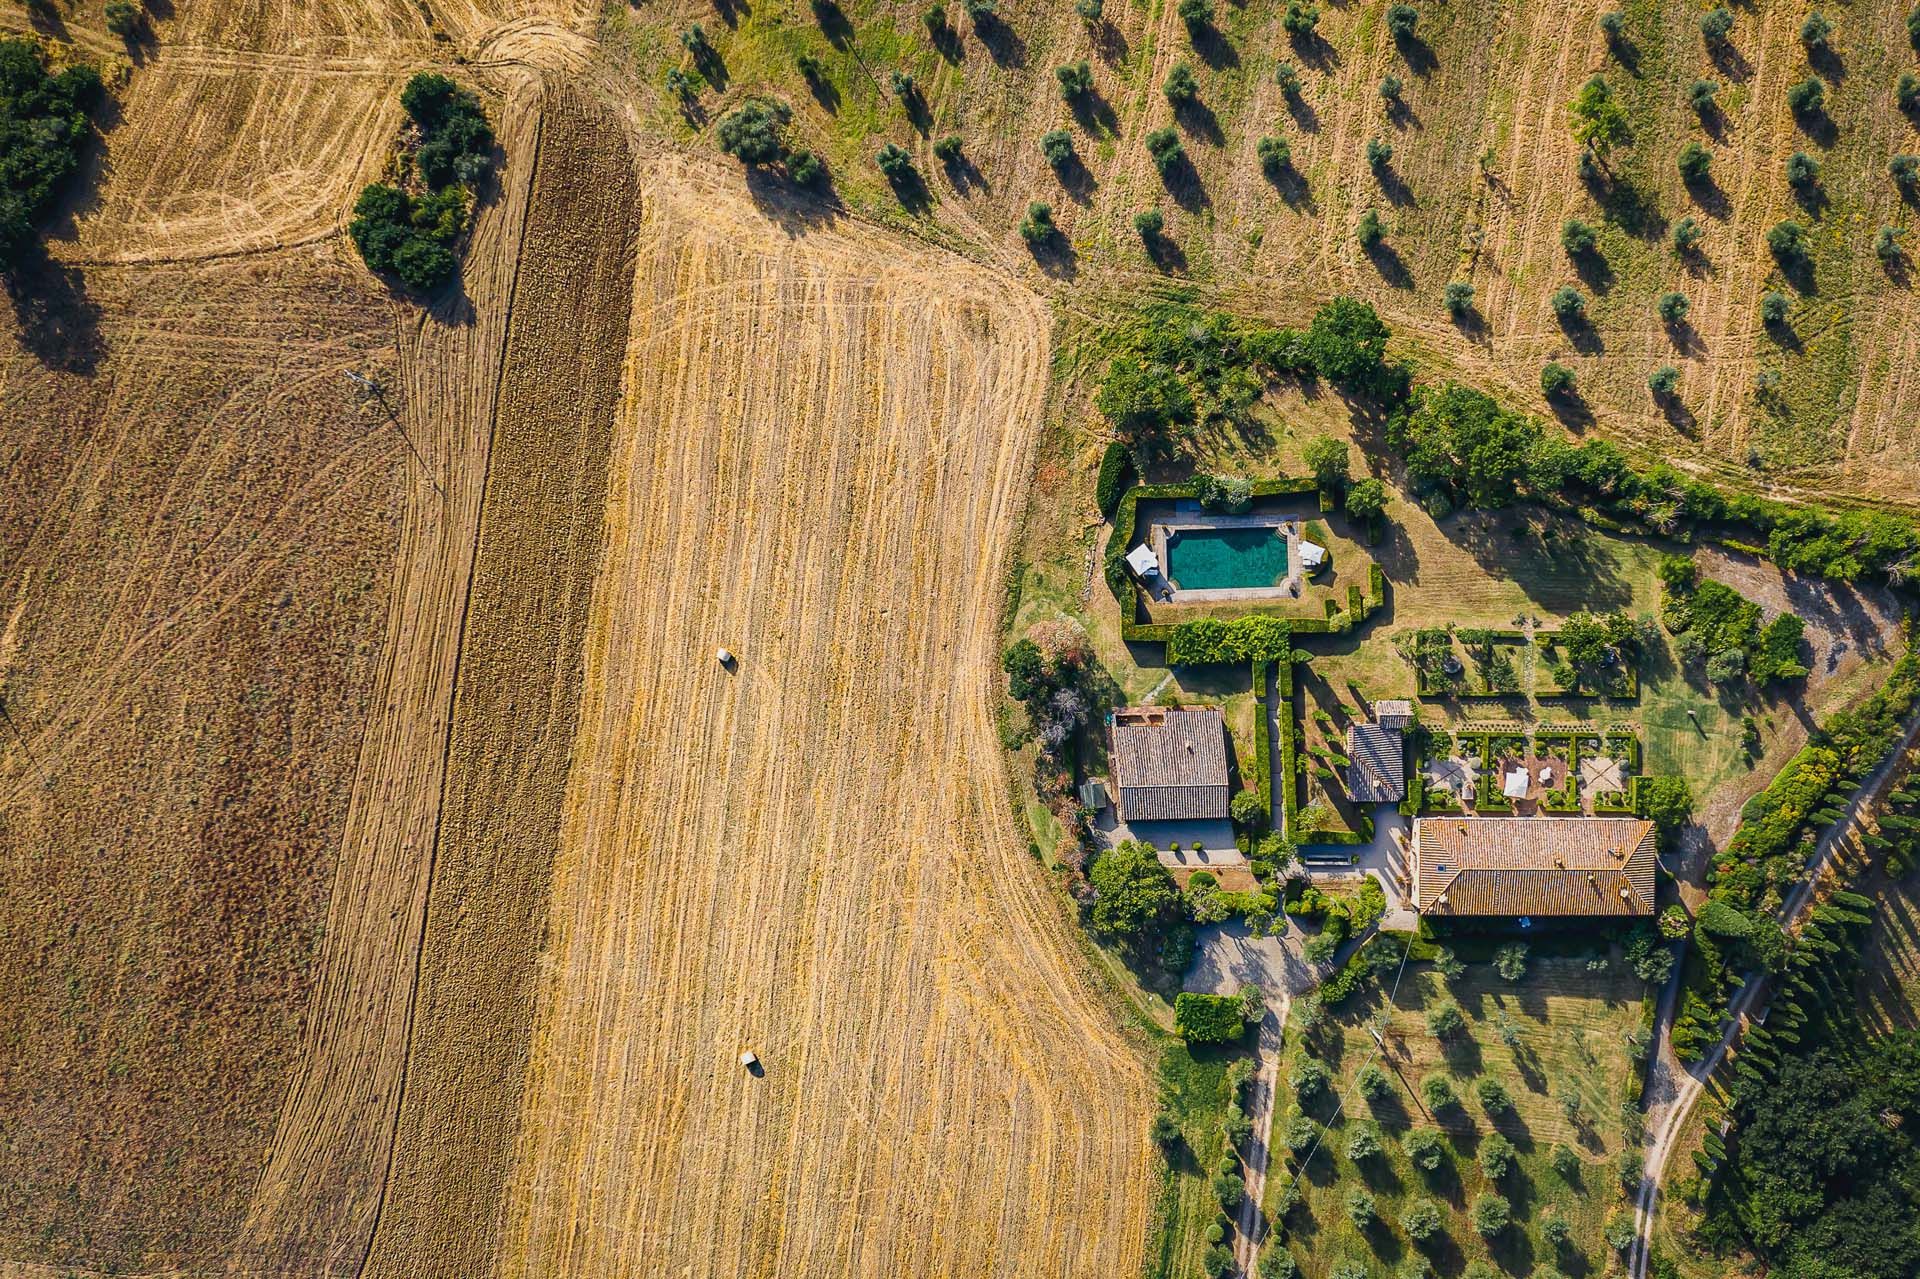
x=1226 y=957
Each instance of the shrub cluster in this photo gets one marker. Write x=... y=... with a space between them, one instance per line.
x=1186 y=366
x=411 y=231
x=43 y=127
x=1208 y=1019
x=1464 y=449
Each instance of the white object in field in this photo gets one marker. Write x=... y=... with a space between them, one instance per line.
x=725 y=657
x=748 y=1060
x=1312 y=556
x=1546 y=775
x=1143 y=561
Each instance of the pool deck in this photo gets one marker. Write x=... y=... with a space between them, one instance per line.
x=1191 y=515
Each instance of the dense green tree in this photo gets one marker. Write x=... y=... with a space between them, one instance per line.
x=1133 y=890
x=1695 y=161
x=1075 y=79
x=1275 y=155
x=1366 y=499
x=1329 y=459
x=1460 y=440
x=1807 y=97
x=1496 y=1156
x=1491 y=1214
x=754 y=131
x=1421 y=1219
x=1180 y=85
x=1164 y=146
x=1599 y=118
x=43 y=129
x=1667 y=802
x=1425 y=1147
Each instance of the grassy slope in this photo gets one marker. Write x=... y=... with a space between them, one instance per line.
x=1573 y=1027
x=1482 y=176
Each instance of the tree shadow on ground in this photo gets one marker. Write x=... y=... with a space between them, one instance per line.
x=1582 y=335
x=965 y=175
x=1075 y=179
x=1183 y=184
x=59 y=324
x=795 y=209
x=1828 y=64
x=1624 y=204
x=1165 y=255
x=1092 y=112
x=1305 y=118
x=1594 y=272
x=911 y=190
x=1003 y=44
x=1109 y=42
x=1213 y=48
x=824 y=93
x=1818 y=126
x=1728 y=61
x=1387 y=261
x=1706 y=193
x=833 y=24
x=1198 y=119
x=1393 y=188
x=1314 y=50
x=1626 y=53
x=1054 y=255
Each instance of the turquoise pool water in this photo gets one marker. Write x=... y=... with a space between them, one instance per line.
x=1212 y=559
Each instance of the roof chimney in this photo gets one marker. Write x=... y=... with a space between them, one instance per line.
x=1592 y=880
x=1623 y=894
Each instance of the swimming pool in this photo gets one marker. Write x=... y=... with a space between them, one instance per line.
x=1212 y=559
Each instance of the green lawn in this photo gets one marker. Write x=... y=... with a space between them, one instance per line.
x=1572 y=1028
x=1193 y=1089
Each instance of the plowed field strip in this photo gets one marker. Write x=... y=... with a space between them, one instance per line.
x=316 y=1198
x=515 y=703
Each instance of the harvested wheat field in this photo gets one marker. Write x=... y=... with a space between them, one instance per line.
x=816 y=463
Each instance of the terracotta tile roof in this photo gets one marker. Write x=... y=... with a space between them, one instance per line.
x=1170 y=765
x=1533 y=866
x=1378 y=773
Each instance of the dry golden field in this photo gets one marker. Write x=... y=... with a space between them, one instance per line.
x=358 y=690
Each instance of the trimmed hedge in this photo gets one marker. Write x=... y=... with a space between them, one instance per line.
x=1116 y=467
x=1256 y=637
x=1262 y=738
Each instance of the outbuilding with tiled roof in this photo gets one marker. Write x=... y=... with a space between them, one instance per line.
x=1533 y=866
x=1169 y=765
